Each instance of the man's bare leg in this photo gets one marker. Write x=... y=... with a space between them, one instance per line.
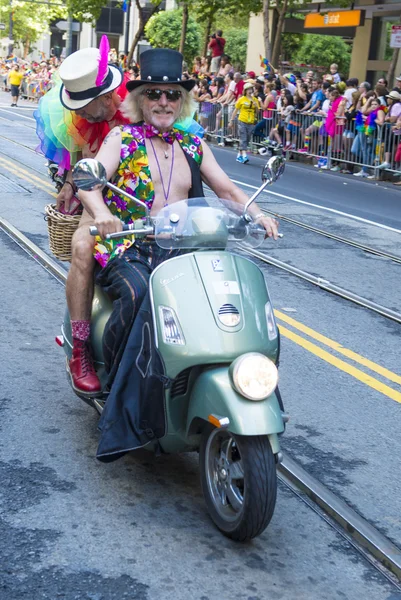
x=79 y=292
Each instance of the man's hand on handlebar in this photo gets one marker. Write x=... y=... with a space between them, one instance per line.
x=270 y=225
x=107 y=223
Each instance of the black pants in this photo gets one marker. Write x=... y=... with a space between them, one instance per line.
x=126 y=281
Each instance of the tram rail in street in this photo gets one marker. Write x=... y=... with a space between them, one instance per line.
x=324 y=284
x=365 y=538
x=333 y=236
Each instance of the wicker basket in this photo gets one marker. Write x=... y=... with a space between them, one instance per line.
x=61 y=229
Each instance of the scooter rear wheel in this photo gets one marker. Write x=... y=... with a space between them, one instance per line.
x=239 y=482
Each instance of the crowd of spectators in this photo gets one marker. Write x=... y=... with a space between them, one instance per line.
x=32 y=78
x=353 y=122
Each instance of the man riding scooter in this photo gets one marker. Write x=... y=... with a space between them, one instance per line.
x=92 y=92
x=159 y=165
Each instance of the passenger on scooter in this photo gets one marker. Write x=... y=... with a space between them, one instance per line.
x=159 y=164
x=92 y=92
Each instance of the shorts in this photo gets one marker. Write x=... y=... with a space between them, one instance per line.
x=15 y=91
x=214 y=65
x=293 y=127
x=349 y=135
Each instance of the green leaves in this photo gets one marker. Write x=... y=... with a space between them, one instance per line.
x=163 y=30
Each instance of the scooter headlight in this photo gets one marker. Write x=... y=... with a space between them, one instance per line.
x=254 y=376
x=171 y=328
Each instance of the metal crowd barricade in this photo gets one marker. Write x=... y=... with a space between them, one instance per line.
x=34 y=89
x=305 y=134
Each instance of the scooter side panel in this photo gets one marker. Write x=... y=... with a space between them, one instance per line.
x=214 y=394
x=192 y=286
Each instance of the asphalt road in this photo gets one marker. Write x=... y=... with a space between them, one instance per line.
x=138 y=528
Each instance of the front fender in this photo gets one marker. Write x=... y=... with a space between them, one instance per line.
x=213 y=394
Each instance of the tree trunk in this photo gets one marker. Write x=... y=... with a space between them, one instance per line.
x=207 y=34
x=279 y=31
x=141 y=27
x=391 y=69
x=184 y=27
x=266 y=28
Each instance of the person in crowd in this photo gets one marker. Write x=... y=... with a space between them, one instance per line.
x=335 y=123
x=247 y=108
x=197 y=65
x=396 y=130
x=367 y=121
x=294 y=126
x=352 y=87
x=225 y=66
x=397 y=87
x=15 y=78
x=263 y=127
x=349 y=131
x=204 y=67
x=393 y=114
x=218 y=88
x=227 y=101
x=382 y=81
x=289 y=82
x=206 y=107
x=334 y=73
x=381 y=93
x=313 y=106
x=239 y=85
x=216 y=46
x=285 y=115
x=364 y=88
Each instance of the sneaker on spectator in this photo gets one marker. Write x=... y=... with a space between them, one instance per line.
x=240 y=159
x=384 y=165
x=229 y=139
x=335 y=169
x=360 y=174
x=245 y=160
x=303 y=150
x=220 y=144
x=287 y=146
x=263 y=151
x=371 y=176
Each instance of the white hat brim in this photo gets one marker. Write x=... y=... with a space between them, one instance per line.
x=77 y=104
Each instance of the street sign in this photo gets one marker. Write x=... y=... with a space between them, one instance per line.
x=340 y=18
x=2 y=26
x=395 y=39
x=63 y=25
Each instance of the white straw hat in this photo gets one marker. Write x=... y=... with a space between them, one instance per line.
x=86 y=75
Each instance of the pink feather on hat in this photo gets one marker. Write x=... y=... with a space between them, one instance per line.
x=104 y=48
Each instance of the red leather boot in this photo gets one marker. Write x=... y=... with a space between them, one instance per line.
x=83 y=375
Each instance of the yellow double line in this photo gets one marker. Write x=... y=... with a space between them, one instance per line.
x=318 y=351
x=338 y=362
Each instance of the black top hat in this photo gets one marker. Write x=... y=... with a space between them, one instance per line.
x=161 y=65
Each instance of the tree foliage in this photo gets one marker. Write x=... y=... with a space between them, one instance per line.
x=163 y=30
x=30 y=21
x=236 y=44
x=323 y=50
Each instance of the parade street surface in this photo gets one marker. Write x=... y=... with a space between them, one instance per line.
x=74 y=528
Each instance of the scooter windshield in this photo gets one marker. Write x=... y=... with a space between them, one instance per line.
x=205 y=223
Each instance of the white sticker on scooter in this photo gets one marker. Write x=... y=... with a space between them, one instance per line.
x=216 y=264
x=226 y=287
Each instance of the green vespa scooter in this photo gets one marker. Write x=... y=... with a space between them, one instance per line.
x=216 y=333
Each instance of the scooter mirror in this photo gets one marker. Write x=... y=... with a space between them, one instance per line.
x=89 y=174
x=273 y=169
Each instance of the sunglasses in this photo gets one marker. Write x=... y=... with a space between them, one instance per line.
x=155 y=94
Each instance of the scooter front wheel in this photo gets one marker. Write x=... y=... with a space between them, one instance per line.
x=239 y=482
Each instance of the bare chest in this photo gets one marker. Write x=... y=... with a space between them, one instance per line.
x=170 y=172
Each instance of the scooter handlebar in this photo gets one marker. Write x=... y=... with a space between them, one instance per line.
x=126 y=227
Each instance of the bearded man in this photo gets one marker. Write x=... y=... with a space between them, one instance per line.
x=91 y=94
x=152 y=160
